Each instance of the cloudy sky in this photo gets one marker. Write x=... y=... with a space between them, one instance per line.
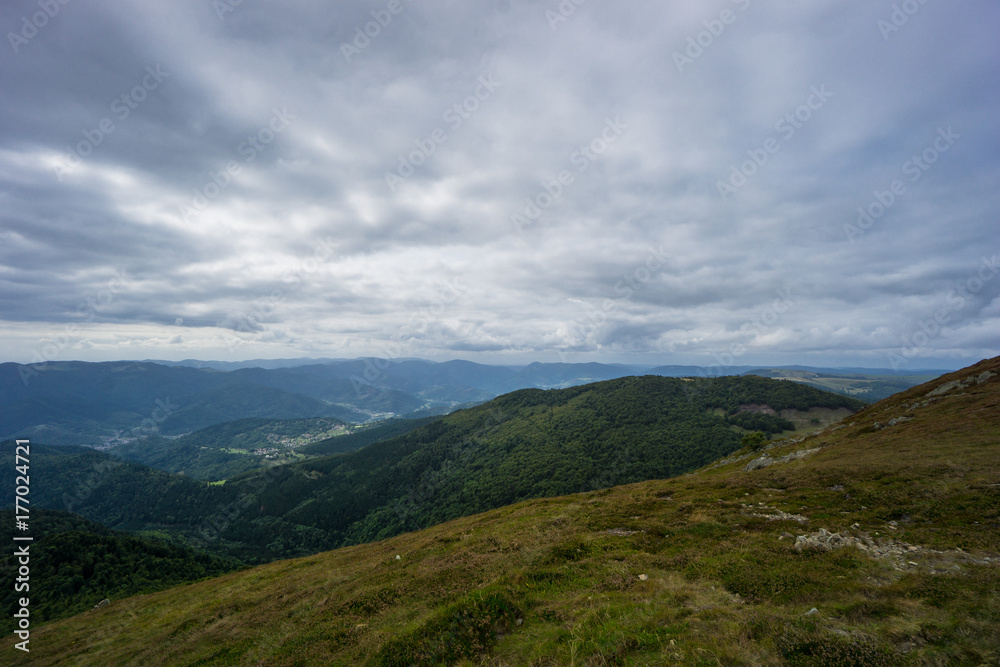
x=732 y=182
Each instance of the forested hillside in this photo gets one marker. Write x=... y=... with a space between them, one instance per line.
x=131 y=497
x=527 y=444
x=114 y=403
x=75 y=564
x=530 y=443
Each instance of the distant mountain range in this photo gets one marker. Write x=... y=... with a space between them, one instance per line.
x=635 y=369
x=112 y=403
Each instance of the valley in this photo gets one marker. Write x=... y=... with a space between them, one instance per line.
x=873 y=541
x=500 y=334
x=407 y=474
x=114 y=404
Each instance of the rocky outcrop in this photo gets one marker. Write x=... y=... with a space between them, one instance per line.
x=900 y=554
x=765 y=460
x=892 y=422
x=823 y=540
x=772 y=513
x=961 y=384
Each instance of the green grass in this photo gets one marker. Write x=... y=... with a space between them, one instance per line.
x=687 y=575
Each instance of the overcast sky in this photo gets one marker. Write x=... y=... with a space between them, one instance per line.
x=501 y=181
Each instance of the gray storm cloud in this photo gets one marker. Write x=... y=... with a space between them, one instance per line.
x=491 y=180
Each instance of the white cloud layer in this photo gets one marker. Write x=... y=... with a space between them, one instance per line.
x=501 y=181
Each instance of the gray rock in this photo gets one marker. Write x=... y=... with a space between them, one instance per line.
x=959 y=384
x=766 y=460
x=944 y=388
x=984 y=376
x=757 y=464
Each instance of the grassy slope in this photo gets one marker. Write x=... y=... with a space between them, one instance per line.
x=545 y=582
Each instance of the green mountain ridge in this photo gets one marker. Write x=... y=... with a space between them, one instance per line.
x=97 y=403
x=529 y=443
x=872 y=542
x=75 y=564
x=104 y=404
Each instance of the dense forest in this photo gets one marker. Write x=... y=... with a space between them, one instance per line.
x=527 y=444
x=75 y=564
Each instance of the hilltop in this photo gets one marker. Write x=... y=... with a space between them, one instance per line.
x=874 y=541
